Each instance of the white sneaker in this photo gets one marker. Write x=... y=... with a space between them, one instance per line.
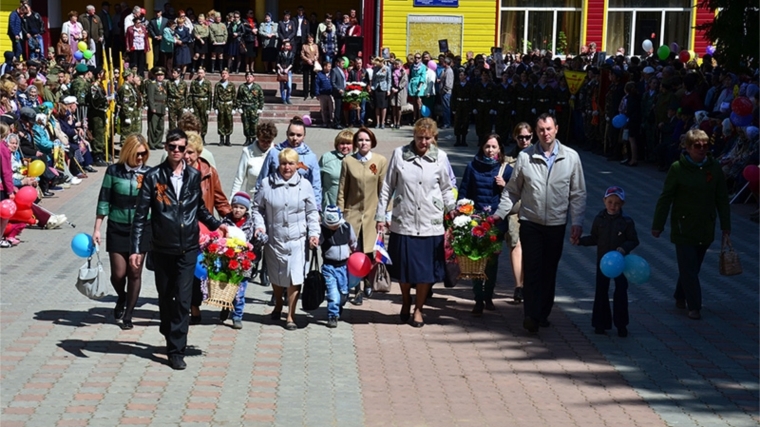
x=75 y=181
x=65 y=185
x=55 y=221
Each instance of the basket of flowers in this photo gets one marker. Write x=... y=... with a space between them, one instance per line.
x=226 y=260
x=355 y=93
x=473 y=238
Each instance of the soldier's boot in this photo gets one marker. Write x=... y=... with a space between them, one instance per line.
x=228 y=141
x=221 y=140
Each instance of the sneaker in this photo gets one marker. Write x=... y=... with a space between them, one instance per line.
x=75 y=181
x=358 y=300
x=65 y=185
x=332 y=322
x=237 y=324
x=5 y=244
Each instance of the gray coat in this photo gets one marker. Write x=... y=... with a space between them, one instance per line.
x=287 y=211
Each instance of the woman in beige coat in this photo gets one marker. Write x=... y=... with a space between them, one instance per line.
x=361 y=179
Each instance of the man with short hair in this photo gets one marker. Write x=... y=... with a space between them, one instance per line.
x=156 y=30
x=170 y=203
x=92 y=23
x=322 y=27
x=97 y=104
x=548 y=179
x=286 y=31
x=34 y=27
x=177 y=92
x=250 y=102
x=302 y=31
x=201 y=97
x=156 y=94
x=129 y=109
x=447 y=85
x=224 y=99
x=16 y=29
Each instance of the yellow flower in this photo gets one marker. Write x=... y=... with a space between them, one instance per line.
x=473 y=223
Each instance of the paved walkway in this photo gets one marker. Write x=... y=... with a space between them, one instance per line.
x=64 y=362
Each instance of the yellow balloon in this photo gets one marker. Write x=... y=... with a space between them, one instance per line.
x=82 y=46
x=36 y=168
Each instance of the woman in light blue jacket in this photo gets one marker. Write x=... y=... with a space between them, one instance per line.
x=285 y=211
x=381 y=90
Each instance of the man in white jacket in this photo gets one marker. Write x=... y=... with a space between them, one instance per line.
x=548 y=178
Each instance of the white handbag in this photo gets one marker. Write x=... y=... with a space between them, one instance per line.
x=88 y=279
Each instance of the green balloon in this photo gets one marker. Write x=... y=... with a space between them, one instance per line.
x=663 y=52
x=87 y=54
x=345 y=62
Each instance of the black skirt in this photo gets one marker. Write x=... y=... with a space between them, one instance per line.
x=416 y=259
x=269 y=54
x=118 y=240
x=381 y=99
x=200 y=48
x=251 y=49
x=218 y=48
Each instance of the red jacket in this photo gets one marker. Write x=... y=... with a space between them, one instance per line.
x=131 y=39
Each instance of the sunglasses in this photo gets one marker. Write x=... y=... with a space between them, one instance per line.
x=524 y=137
x=141 y=153
x=417 y=57
x=701 y=146
x=175 y=147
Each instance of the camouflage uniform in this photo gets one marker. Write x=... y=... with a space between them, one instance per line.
x=80 y=88
x=224 y=97
x=177 y=100
x=250 y=99
x=97 y=104
x=156 y=111
x=129 y=112
x=201 y=97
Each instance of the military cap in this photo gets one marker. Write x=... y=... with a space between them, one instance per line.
x=158 y=71
x=81 y=68
x=126 y=73
x=70 y=100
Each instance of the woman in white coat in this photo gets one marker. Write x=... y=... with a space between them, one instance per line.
x=285 y=207
x=252 y=158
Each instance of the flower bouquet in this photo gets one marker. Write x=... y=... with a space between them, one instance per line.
x=355 y=93
x=226 y=260
x=473 y=238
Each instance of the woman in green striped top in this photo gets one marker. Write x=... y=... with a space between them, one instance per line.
x=117 y=200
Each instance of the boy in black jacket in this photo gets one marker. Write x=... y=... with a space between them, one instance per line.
x=611 y=231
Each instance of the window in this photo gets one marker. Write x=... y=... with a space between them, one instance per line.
x=512 y=31
x=630 y=22
x=553 y=25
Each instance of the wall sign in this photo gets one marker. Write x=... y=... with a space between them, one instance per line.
x=436 y=3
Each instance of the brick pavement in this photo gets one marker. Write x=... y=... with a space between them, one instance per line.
x=63 y=361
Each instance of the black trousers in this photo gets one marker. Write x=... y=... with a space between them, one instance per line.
x=174 y=282
x=602 y=317
x=542 y=249
x=690 y=258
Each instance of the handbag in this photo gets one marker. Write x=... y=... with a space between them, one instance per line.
x=88 y=279
x=282 y=78
x=317 y=67
x=314 y=287
x=241 y=47
x=380 y=278
x=729 y=264
x=451 y=274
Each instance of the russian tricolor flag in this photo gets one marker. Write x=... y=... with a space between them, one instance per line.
x=381 y=254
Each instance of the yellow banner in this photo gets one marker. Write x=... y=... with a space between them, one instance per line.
x=574 y=80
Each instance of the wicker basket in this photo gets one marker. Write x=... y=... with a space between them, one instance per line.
x=472 y=269
x=221 y=294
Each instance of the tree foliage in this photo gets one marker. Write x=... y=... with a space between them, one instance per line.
x=734 y=32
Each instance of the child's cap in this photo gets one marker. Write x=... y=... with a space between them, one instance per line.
x=332 y=215
x=615 y=191
x=242 y=199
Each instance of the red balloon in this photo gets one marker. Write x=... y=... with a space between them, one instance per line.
x=684 y=56
x=7 y=209
x=742 y=106
x=25 y=197
x=752 y=174
x=359 y=264
x=25 y=216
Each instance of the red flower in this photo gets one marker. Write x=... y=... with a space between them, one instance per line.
x=246 y=264
x=486 y=225
x=250 y=256
x=213 y=247
x=478 y=231
x=234 y=265
x=493 y=238
x=490 y=219
x=229 y=253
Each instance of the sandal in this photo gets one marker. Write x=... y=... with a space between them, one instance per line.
x=291 y=326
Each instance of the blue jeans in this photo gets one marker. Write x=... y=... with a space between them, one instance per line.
x=285 y=88
x=239 y=303
x=446 y=102
x=362 y=115
x=336 y=279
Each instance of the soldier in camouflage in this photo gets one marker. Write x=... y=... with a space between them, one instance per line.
x=177 y=92
x=224 y=98
x=156 y=109
x=200 y=98
x=129 y=110
x=79 y=88
x=97 y=104
x=250 y=101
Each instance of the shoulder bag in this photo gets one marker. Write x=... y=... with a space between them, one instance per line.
x=314 y=287
x=88 y=279
x=380 y=278
x=729 y=260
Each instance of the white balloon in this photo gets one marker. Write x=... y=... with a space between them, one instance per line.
x=647 y=45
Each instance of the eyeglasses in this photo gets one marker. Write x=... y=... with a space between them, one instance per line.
x=175 y=147
x=700 y=146
x=524 y=137
x=141 y=153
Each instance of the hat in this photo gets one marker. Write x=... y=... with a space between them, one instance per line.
x=648 y=70
x=615 y=191
x=28 y=114
x=158 y=71
x=126 y=73
x=242 y=199
x=70 y=100
x=332 y=216
x=81 y=68
x=8 y=119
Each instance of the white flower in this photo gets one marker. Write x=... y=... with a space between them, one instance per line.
x=362 y=84
x=462 y=202
x=354 y=92
x=462 y=221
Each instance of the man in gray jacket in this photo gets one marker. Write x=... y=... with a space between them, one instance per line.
x=338 y=81
x=548 y=178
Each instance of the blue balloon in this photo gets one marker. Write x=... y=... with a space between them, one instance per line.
x=78 y=55
x=636 y=269
x=200 y=269
x=612 y=264
x=82 y=245
x=619 y=121
x=741 y=121
x=425 y=111
x=353 y=281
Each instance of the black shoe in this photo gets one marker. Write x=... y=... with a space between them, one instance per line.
x=530 y=325
x=623 y=332
x=418 y=324
x=177 y=362
x=332 y=322
x=681 y=303
x=224 y=314
x=489 y=305
x=227 y=140
x=368 y=292
x=48 y=194
x=118 y=311
x=405 y=314
x=100 y=163
x=195 y=320
x=518 y=295
x=477 y=311
x=358 y=300
x=127 y=325
x=544 y=323
x=90 y=169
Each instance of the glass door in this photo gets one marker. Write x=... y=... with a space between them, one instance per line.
x=512 y=30
x=540 y=30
